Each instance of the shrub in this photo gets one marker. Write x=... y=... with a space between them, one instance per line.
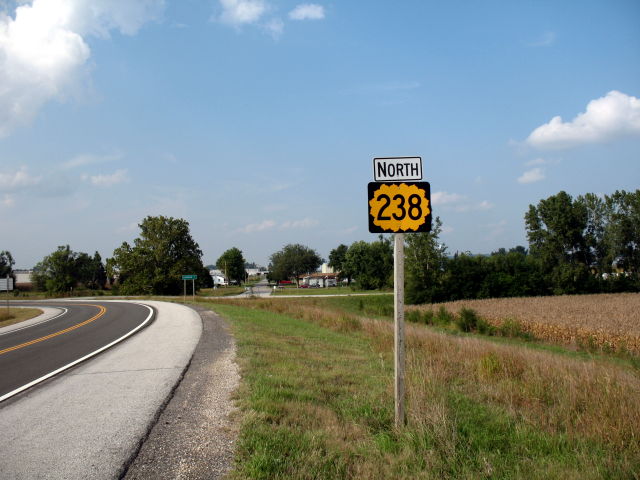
x=467 y=320
x=443 y=317
x=414 y=316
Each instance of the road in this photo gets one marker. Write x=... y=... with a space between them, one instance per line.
x=89 y=421
x=36 y=352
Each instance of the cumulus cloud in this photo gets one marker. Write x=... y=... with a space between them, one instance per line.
x=458 y=203
x=443 y=198
x=532 y=176
x=258 y=227
x=271 y=224
x=17 y=180
x=119 y=176
x=304 y=223
x=607 y=118
x=241 y=12
x=85 y=159
x=547 y=39
x=307 y=11
x=7 y=200
x=43 y=48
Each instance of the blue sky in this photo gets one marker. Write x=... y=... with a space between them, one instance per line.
x=257 y=120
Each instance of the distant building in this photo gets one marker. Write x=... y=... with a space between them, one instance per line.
x=319 y=280
x=24 y=279
x=325 y=268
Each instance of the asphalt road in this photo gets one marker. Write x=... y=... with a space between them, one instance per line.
x=81 y=329
x=89 y=422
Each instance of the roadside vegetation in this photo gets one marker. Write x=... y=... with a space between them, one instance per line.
x=293 y=290
x=17 y=315
x=317 y=399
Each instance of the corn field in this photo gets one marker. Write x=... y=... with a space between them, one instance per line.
x=610 y=322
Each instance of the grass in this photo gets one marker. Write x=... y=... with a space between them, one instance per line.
x=323 y=291
x=317 y=402
x=220 y=292
x=17 y=315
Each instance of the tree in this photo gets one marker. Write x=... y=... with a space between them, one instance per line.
x=293 y=260
x=6 y=264
x=425 y=261
x=337 y=261
x=157 y=260
x=57 y=272
x=371 y=263
x=232 y=264
x=624 y=230
x=556 y=232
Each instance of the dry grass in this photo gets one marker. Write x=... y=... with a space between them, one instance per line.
x=605 y=321
x=576 y=397
x=17 y=315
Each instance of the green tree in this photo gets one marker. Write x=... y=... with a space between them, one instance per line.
x=6 y=264
x=293 y=260
x=164 y=251
x=57 y=272
x=425 y=261
x=624 y=230
x=556 y=233
x=371 y=264
x=337 y=258
x=232 y=264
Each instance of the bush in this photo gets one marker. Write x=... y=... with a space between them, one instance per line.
x=467 y=320
x=414 y=316
x=443 y=317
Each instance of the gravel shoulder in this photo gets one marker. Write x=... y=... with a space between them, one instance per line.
x=194 y=437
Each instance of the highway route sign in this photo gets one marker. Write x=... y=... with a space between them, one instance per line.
x=397 y=169
x=399 y=207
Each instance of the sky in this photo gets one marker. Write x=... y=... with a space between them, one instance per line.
x=257 y=121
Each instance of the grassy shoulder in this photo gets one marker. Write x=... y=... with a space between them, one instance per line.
x=293 y=290
x=17 y=315
x=317 y=402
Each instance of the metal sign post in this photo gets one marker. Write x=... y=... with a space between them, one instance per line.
x=184 y=280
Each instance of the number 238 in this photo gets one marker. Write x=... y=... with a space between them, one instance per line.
x=405 y=206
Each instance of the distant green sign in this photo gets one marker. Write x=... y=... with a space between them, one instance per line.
x=189 y=277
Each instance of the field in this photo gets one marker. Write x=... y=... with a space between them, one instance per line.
x=317 y=399
x=604 y=321
x=16 y=315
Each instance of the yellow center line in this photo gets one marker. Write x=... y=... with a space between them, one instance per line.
x=102 y=311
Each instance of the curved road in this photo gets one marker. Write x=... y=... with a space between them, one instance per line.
x=34 y=353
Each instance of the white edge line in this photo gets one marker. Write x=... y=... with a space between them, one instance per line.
x=38 y=323
x=75 y=362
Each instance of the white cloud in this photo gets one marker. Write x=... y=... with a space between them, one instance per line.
x=90 y=159
x=304 y=223
x=458 y=203
x=119 y=176
x=547 y=39
x=607 y=118
x=7 y=200
x=275 y=27
x=443 y=198
x=271 y=224
x=532 y=176
x=258 y=227
x=240 y=12
x=43 y=49
x=17 y=180
x=536 y=161
x=307 y=11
